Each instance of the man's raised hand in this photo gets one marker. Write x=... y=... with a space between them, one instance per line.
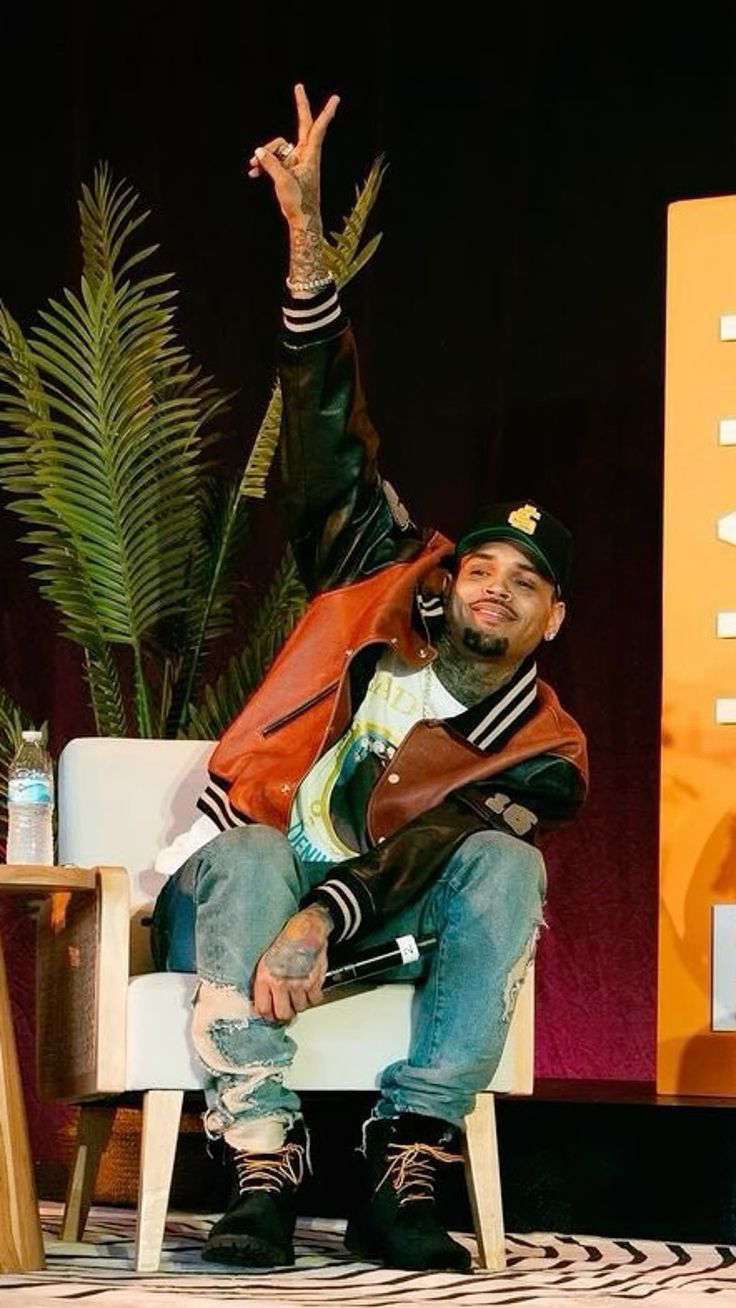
x=295 y=170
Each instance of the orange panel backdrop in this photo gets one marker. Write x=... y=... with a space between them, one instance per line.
x=698 y=798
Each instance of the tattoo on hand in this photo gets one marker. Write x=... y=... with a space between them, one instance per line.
x=310 y=200
x=288 y=958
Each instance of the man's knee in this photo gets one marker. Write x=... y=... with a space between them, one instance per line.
x=498 y=863
x=246 y=857
x=253 y=841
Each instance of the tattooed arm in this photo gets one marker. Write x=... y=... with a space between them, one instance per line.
x=343 y=522
x=289 y=975
x=296 y=181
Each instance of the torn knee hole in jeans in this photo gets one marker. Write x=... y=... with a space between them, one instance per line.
x=216 y=1005
x=230 y=1038
x=516 y=975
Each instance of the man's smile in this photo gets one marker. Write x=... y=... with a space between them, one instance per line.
x=496 y=611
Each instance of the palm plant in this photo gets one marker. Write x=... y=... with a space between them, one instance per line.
x=106 y=442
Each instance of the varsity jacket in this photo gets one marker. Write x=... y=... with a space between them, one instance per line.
x=515 y=763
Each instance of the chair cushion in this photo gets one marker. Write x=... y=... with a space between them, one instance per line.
x=370 y=1028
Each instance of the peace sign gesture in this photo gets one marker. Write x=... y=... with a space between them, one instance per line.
x=295 y=169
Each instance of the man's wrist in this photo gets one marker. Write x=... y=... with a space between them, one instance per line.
x=322 y=911
x=307 y=261
x=311 y=286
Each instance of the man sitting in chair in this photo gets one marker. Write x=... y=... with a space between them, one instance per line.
x=388 y=777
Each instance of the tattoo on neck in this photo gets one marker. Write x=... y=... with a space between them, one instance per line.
x=468 y=679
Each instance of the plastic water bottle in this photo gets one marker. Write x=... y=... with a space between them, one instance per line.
x=31 y=803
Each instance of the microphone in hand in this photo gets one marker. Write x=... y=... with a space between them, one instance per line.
x=365 y=964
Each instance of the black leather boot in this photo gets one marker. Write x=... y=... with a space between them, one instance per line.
x=258 y=1228
x=399 y=1224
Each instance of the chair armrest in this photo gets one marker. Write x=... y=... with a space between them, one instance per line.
x=82 y=984
x=35 y=879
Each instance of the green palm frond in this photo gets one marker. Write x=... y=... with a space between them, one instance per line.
x=29 y=420
x=106 y=696
x=278 y=613
x=105 y=467
x=343 y=251
x=253 y=484
x=107 y=219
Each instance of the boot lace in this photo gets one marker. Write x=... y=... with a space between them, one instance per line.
x=285 y=1166
x=412 y=1170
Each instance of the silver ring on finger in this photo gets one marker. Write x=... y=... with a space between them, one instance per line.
x=282 y=152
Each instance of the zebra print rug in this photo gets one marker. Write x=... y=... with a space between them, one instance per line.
x=550 y=1271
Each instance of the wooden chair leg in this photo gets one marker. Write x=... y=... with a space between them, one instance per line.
x=484 y=1182
x=93 y=1133
x=161 y=1118
x=21 y=1243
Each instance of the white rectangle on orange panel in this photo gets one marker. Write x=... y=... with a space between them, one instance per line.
x=728 y=327
x=725 y=712
x=727 y=431
x=723 y=999
x=726 y=625
x=726 y=528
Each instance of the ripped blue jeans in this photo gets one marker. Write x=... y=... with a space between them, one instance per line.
x=225 y=905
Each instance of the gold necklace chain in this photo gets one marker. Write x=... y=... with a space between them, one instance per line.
x=427 y=692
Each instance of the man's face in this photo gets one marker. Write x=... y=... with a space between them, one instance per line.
x=500 y=606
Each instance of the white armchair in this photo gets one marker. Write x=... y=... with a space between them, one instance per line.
x=108 y=1025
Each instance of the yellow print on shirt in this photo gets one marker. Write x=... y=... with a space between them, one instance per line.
x=313 y=828
x=399 y=699
x=326 y=813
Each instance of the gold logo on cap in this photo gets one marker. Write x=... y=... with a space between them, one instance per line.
x=525 y=519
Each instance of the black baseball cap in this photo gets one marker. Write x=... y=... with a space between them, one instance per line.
x=542 y=537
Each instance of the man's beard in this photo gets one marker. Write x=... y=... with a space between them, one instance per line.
x=488 y=647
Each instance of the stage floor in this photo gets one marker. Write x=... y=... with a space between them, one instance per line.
x=544 y=1269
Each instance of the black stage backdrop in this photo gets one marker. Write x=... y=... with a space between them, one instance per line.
x=511 y=330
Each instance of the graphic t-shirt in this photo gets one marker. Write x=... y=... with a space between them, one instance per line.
x=327 y=818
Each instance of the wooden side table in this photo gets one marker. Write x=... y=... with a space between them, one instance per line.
x=21 y=1242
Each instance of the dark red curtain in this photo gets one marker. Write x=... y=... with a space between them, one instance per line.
x=511 y=330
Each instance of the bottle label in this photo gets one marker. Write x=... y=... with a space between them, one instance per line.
x=30 y=790
x=408 y=949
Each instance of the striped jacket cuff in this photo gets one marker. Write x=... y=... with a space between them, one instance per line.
x=349 y=903
x=215 y=804
x=314 y=319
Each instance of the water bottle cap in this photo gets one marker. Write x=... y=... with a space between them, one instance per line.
x=32 y=737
